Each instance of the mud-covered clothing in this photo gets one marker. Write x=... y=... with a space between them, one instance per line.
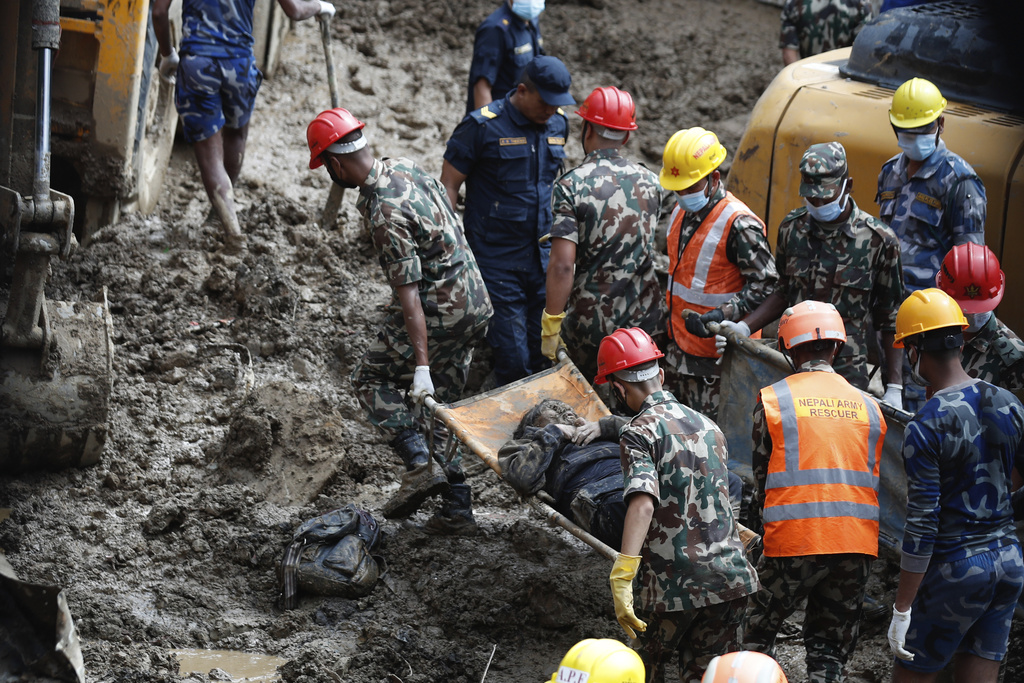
x=995 y=355
x=958 y=451
x=692 y=556
x=213 y=92
x=609 y=207
x=417 y=238
x=943 y=205
x=697 y=636
x=585 y=481
x=830 y=589
x=816 y=26
x=217 y=28
x=854 y=265
x=503 y=46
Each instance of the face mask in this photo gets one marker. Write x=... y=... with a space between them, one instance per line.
x=693 y=202
x=915 y=371
x=527 y=10
x=828 y=213
x=917 y=147
x=336 y=179
x=976 y=321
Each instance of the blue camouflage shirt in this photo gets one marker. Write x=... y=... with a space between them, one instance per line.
x=943 y=205
x=511 y=165
x=503 y=46
x=217 y=28
x=958 y=452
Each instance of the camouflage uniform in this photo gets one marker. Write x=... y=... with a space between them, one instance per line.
x=854 y=265
x=830 y=587
x=695 y=379
x=958 y=452
x=943 y=205
x=609 y=207
x=996 y=355
x=694 y=577
x=816 y=26
x=418 y=238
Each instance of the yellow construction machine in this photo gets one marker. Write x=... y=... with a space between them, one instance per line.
x=86 y=131
x=845 y=95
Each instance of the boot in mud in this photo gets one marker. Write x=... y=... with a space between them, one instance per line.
x=421 y=480
x=456 y=514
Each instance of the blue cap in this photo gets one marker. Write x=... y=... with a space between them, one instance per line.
x=552 y=80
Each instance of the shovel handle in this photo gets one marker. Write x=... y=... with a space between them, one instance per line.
x=332 y=76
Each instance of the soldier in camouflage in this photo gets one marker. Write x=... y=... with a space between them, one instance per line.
x=810 y=27
x=438 y=312
x=962 y=570
x=679 y=536
x=930 y=197
x=601 y=272
x=830 y=250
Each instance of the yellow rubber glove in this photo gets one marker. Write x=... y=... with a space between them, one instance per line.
x=550 y=327
x=621 y=579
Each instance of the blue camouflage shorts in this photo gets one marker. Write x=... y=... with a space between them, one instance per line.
x=965 y=606
x=213 y=92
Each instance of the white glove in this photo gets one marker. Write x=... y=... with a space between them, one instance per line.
x=740 y=328
x=422 y=386
x=327 y=10
x=894 y=395
x=169 y=66
x=898 y=628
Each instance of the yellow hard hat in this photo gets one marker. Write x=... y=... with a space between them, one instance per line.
x=690 y=155
x=600 y=660
x=916 y=103
x=925 y=310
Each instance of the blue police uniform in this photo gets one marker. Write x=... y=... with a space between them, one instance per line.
x=217 y=78
x=503 y=46
x=511 y=165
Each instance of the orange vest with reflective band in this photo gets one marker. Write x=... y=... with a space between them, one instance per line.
x=701 y=277
x=821 y=494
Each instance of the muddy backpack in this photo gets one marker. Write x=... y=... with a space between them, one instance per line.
x=331 y=555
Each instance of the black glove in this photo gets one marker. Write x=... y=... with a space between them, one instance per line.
x=695 y=324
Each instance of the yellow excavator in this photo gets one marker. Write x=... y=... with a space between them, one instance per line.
x=86 y=131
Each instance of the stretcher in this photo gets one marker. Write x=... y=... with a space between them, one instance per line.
x=483 y=423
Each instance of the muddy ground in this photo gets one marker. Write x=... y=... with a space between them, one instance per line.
x=232 y=418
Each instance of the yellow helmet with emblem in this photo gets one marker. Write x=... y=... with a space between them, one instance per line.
x=600 y=660
x=916 y=103
x=690 y=155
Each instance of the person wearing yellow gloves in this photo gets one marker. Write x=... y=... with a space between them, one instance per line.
x=679 y=537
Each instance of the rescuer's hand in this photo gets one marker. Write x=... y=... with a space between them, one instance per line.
x=169 y=66
x=327 y=10
x=621 y=580
x=422 y=385
x=586 y=432
x=898 y=628
x=740 y=328
x=550 y=329
x=894 y=395
x=697 y=324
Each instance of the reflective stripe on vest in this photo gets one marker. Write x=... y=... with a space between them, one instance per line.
x=703 y=260
x=821 y=493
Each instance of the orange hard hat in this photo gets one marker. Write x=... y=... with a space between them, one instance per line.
x=808 y=321
x=327 y=128
x=744 y=667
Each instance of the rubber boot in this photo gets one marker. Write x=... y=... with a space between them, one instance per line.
x=456 y=514
x=422 y=479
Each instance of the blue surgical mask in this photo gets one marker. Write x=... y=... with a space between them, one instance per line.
x=527 y=10
x=828 y=213
x=917 y=146
x=694 y=201
x=976 y=321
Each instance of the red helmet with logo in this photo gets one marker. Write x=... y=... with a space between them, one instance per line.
x=971 y=274
x=327 y=128
x=624 y=349
x=609 y=107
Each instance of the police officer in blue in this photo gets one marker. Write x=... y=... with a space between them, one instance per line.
x=509 y=154
x=505 y=43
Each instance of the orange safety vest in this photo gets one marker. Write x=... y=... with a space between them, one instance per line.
x=702 y=277
x=821 y=495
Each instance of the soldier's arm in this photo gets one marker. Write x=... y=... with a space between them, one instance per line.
x=452 y=179
x=415 y=322
x=888 y=295
x=748 y=249
x=966 y=208
x=297 y=10
x=162 y=25
x=789 y=39
x=639 y=512
x=524 y=462
x=481 y=92
x=759 y=465
x=561 y=263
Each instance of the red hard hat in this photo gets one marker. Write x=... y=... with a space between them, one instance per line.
x=624 y=349
x=327 y=128
x=609 y=107
x=971 y=274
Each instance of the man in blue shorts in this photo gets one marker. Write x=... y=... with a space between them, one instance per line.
x=961 y=571
x=216 y=86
